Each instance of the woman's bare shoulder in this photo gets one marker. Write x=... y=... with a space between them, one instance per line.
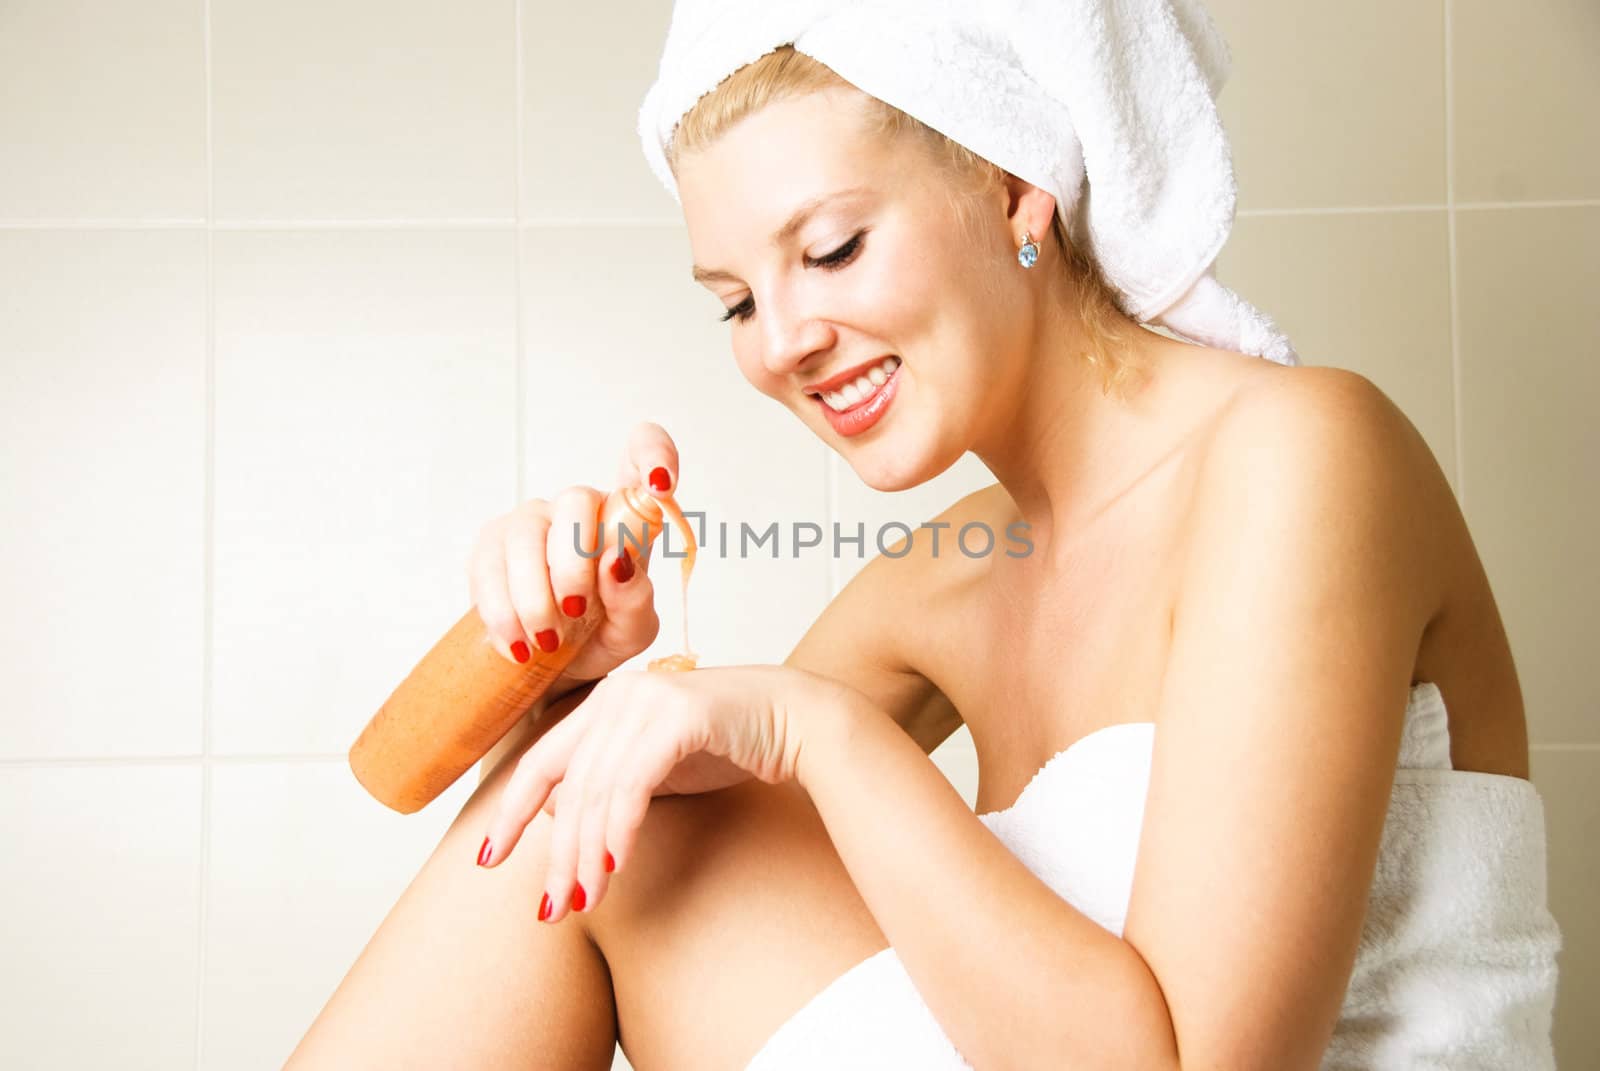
x=1328 y=415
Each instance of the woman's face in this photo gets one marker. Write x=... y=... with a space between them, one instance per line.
x=883 y=273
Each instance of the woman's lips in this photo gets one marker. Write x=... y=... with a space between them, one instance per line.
x=865 y=413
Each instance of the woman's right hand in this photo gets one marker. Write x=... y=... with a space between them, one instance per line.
x=528 y=581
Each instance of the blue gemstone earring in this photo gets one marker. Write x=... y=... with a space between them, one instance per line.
x=1028 y=255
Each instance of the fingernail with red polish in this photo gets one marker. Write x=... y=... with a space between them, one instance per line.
x=574 y=605
x=520 y=652
x=622 y=568
x=611 y=864
x=660 y=479
x=544 y=907
x=485 y=852
x=578 y=899
x=547 y=640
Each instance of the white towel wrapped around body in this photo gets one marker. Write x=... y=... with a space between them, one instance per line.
x=1457 y=962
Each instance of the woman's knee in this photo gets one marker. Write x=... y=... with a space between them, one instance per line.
x=734 y=856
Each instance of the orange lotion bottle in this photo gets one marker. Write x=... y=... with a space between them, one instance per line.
x=464 y=695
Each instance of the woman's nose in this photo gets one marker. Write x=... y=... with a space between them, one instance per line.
x=789 y=340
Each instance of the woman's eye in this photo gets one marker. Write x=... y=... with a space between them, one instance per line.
x=841 y=256
x=831 y=262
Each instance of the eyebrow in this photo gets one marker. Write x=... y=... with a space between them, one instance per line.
x=783 y=233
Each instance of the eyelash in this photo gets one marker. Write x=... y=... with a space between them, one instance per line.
x=835 y=260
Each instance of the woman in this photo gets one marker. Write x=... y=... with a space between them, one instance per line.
x=1248 y=593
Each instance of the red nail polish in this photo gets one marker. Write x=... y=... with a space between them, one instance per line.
x=485 y=852
x=611 y=864
x=574 y=605
x=520 y=652
x=544 y=907
x=578 y=899
x=547 y=640
x=660 y=479
x=622 y=568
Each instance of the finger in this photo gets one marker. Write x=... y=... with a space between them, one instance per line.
x=550 y=800
x=574 y=534
x=561 y=865
x=537 y=772
x=655 y=751
x=490 y=594
x=629 y=597
x=527 y=582
x=595 y=861
x=650 y=459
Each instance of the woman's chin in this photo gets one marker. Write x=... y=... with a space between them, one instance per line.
x=876 y=474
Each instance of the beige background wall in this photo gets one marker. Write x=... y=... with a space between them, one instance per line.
x=294 y=296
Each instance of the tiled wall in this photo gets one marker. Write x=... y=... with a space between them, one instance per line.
x=294 y=296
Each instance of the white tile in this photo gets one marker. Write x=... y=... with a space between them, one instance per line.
x=596 y=369
x=1529 y=381
x=584 y=74
x=1526 y=82
x=101 y=906
x=102 y=563
x=304 y=868
x=366 y=430
x=1334 y=104
x=882 y=518
x=363 y=109
x=102 y=110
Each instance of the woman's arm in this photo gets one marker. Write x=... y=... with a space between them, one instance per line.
x=1304 y=598
x=861 y=639
x=871 y=636
x=1016 y=975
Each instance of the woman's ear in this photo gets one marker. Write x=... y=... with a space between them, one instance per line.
x=1030 y=208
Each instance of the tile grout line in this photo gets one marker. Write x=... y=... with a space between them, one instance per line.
x=1450 y=233
x=208 y=566
x=264 y=758
x=1480 y=206
x=102 y=224
x=1340 y=210
x=520 y=223
x=518 y=359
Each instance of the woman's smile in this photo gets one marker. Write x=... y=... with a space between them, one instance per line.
x=860 y=403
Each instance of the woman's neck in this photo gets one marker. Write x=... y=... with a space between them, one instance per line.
x=1067 y=452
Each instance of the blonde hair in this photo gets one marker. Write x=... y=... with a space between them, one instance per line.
x=785 y=73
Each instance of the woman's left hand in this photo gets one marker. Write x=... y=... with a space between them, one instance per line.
x=640 y=734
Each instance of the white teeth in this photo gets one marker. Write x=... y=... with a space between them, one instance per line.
x=853 y=393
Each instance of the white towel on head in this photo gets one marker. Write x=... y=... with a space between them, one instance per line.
x=1054 y=91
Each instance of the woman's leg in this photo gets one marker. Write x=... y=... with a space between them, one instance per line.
x=732 y=913
x=462 y=975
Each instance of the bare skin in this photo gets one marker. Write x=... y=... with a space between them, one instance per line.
x=736 y=908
